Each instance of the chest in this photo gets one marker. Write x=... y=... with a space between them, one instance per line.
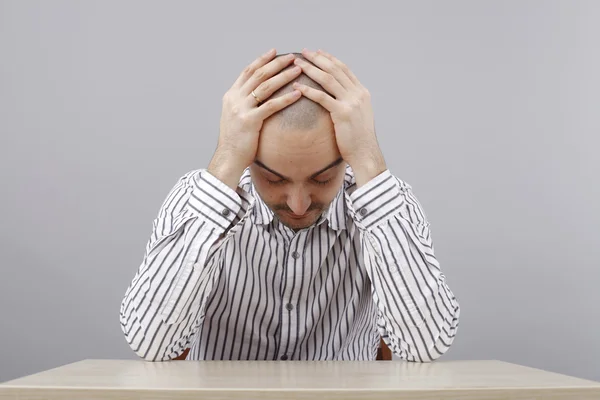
x=314 y=263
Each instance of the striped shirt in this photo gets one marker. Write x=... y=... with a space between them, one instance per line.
x=222 y=276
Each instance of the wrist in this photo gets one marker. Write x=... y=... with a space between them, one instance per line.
x=225 y=169
x=368 y=167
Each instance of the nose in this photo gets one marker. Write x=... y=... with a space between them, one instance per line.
x=298 y=200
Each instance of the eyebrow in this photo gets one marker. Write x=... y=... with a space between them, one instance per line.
x=333 y=164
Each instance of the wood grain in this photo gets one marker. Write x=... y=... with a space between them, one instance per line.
x=129 y=379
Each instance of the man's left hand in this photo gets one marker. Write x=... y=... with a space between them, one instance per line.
x=351 y=112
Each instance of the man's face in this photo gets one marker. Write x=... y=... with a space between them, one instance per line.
x=298 y=173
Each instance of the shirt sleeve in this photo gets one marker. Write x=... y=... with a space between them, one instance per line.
x=417 y=312
x=163 y=306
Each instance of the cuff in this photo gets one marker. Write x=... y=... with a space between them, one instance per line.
x=376 y=201
x=216 y=202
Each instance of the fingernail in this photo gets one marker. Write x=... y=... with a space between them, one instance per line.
x=296 y=69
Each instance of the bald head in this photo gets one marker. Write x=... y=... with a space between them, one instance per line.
x=298 y=169
x=304 y=114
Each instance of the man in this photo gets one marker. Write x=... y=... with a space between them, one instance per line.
x=296 y=243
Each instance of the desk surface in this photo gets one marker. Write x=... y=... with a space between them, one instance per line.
x=127 y=379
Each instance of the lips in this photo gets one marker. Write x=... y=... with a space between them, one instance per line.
x=294 y=216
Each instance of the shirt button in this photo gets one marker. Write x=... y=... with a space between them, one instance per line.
x=363 y=211
x=295 y=254
x=289 y=307
x=284 y=357
x=225 y=212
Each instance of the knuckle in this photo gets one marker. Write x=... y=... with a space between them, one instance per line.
x=265 y=87
x=318 y=96
x=328 y=80
x=270 y=105
x=347 y=110
x=283 y=61
x=249 y=70
x=259 y=74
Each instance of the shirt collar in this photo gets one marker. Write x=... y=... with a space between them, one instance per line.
x=336 y=214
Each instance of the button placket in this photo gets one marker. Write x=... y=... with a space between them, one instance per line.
x=288 y=309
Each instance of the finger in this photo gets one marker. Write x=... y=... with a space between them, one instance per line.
x=328 y=66
x=270 y=86
x=256 y=64
x=318 y=96
x=265 y=72
x=342 y=66
x=270 y=107
x=325 y=79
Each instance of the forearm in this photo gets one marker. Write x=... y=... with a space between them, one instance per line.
x=369 y=165
x=418 y=312
x=159 y=313
x=226 y=167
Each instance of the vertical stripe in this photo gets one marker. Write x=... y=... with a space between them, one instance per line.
x=220 y=283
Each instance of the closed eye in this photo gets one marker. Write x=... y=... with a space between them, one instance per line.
x=282 y=181
x=279 y=182
x=322 y=182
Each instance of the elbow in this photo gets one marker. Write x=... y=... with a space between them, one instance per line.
x=444 y=340
x=146 y=353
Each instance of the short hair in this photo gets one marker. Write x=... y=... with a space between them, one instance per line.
x=304 y=113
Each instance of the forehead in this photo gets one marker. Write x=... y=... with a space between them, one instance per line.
x=297 y=153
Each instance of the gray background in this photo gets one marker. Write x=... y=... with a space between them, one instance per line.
x=489 y=109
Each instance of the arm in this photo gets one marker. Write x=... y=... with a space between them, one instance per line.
x=418 y=314
x=162 y=307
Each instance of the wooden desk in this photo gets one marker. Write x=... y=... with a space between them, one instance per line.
x=129 y=379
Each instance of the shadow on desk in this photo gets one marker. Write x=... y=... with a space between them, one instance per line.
x=383 y=353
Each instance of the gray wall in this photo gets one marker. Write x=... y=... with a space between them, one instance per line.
x=489 y=109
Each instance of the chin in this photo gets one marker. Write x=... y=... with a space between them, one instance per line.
x=299 y=224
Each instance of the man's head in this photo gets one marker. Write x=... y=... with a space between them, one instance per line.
x=298 y=168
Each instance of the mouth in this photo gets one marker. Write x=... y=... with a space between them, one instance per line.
x=294 y=216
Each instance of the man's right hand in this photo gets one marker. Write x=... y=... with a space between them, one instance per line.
x=242 y=117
